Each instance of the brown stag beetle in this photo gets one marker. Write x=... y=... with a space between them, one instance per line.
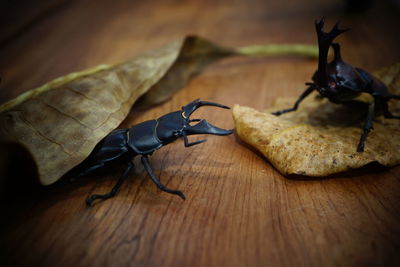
x=122 y=145
x=341 y=83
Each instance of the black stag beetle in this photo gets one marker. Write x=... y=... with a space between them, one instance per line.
x=341 y=83
x=143 y=139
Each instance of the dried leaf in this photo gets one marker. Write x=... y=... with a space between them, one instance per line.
x=197 y=53
x=321 y=137
x=60 y=123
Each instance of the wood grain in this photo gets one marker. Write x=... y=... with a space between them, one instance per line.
x=239 y=210
x=19 y=15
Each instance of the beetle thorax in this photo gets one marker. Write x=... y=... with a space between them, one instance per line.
x=170 y=127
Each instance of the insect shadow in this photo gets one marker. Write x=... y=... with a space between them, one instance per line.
x=331 y=114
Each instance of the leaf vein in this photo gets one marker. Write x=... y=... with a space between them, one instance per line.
x=29 y=124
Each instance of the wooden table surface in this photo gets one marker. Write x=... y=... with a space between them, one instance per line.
x=239 y=211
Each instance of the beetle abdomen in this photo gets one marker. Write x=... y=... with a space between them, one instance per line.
x=111 y=147
x=143 y=137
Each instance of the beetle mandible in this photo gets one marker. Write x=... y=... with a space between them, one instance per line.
x=122 y=145
x=341 y=83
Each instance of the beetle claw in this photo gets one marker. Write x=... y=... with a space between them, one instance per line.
x=181 y=195
x=175 y=192
x=89 y=200
x=194 y=105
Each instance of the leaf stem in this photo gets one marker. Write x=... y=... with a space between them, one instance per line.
x=309 y=51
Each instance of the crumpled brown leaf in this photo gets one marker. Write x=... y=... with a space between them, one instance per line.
x=60 y=123
x=321 y=138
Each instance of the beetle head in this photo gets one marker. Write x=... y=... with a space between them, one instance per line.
x=179 y=124
x=342 y=81
x=337 y=89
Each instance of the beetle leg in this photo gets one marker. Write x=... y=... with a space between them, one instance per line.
x=296 y=105
x=84 y=172
x=114 y=190
x=187 y=143
x=386 y=111
x=367 y=126
x=146 y=165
